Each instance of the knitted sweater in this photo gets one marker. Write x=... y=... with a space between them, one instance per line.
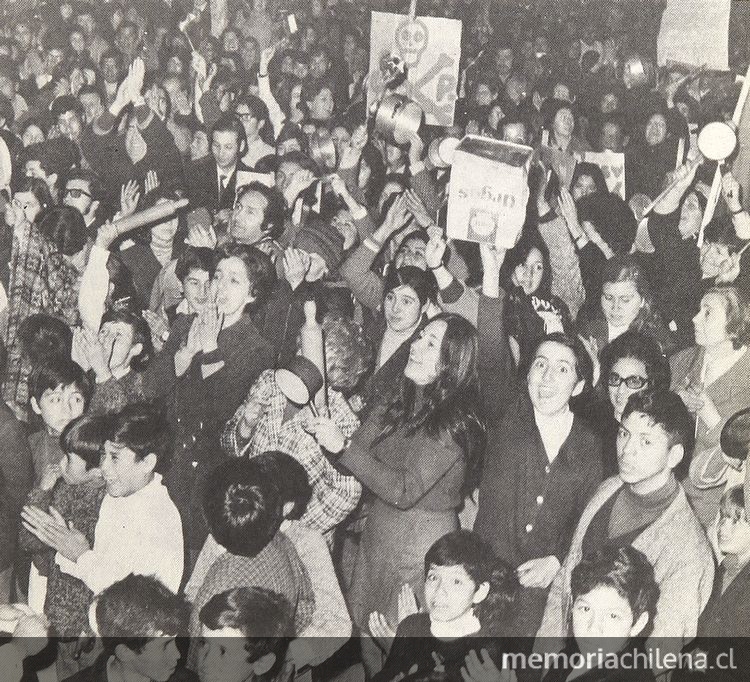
x=276 y=567
x=330 y=625
x=676 y=547
x=68 y=598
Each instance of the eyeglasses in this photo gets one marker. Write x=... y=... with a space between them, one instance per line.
x=634 y=382
x=77 y=193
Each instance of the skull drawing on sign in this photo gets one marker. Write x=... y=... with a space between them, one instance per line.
x=411 y=39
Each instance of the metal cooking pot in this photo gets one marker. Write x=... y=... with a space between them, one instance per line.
x=323 y=150
x=442 y=150
x=717 y=140
x=398 y=117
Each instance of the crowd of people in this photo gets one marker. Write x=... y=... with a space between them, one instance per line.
x=520 y=451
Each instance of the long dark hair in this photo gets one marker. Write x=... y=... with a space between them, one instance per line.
x=450 y=402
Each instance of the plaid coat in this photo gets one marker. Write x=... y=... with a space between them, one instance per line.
x=334 y=495
x=41 y=281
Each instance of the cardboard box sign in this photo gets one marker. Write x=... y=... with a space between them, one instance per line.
x=488 y=191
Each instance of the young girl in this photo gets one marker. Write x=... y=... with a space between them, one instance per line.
x=467 y=595
x=725 y=616
x=74 y=487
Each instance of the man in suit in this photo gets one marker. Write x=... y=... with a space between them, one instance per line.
x=212 y=181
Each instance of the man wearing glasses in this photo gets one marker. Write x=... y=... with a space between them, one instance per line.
x=83 y=190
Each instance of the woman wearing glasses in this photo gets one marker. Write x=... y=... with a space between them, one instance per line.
x=630 y=364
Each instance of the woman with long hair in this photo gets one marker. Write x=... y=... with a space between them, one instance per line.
x=417 y=456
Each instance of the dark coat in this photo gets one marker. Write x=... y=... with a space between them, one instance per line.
x=724 y=625
x=16 y=478
x=202 y=182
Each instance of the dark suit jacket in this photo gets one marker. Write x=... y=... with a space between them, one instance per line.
x=202 y=182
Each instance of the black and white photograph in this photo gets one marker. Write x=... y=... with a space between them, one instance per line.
x=374 y=340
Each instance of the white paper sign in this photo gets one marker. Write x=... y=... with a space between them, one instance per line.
x=488 y=191
x=612 y=166
x=431 y=50
x=695 y=32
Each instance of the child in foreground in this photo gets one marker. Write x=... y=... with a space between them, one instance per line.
x=468 y=596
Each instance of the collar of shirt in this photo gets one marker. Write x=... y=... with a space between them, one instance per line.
x=554 y=431
x=223 y=176
x=152 y=489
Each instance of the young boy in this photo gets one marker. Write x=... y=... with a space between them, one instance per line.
x=614 y=601
x=139 y=528
x=330 y=626
x=59 y=393
x=243 y=509
x=646 y=507
x=245 y=633
x=138 y=620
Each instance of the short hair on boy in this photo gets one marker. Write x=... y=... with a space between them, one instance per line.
x=626 y=570
x=291 y=479
x=229 y=123
x=43 y=336
x=732 y=504
x=264 y=617
x=667 y=410
x=85 y=437
x=144 y=429
x=55 y=372
x=195 y=258
x=136 y=609
x=242 y=507
x=141 y=334
x=466 y=549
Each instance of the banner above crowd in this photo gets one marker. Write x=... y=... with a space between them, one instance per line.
x=695 y=32
x=430 y=49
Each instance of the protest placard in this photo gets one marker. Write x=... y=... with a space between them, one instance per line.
x=488 y=191
x=695 y=32
x=612 y=166
x=430 y=49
